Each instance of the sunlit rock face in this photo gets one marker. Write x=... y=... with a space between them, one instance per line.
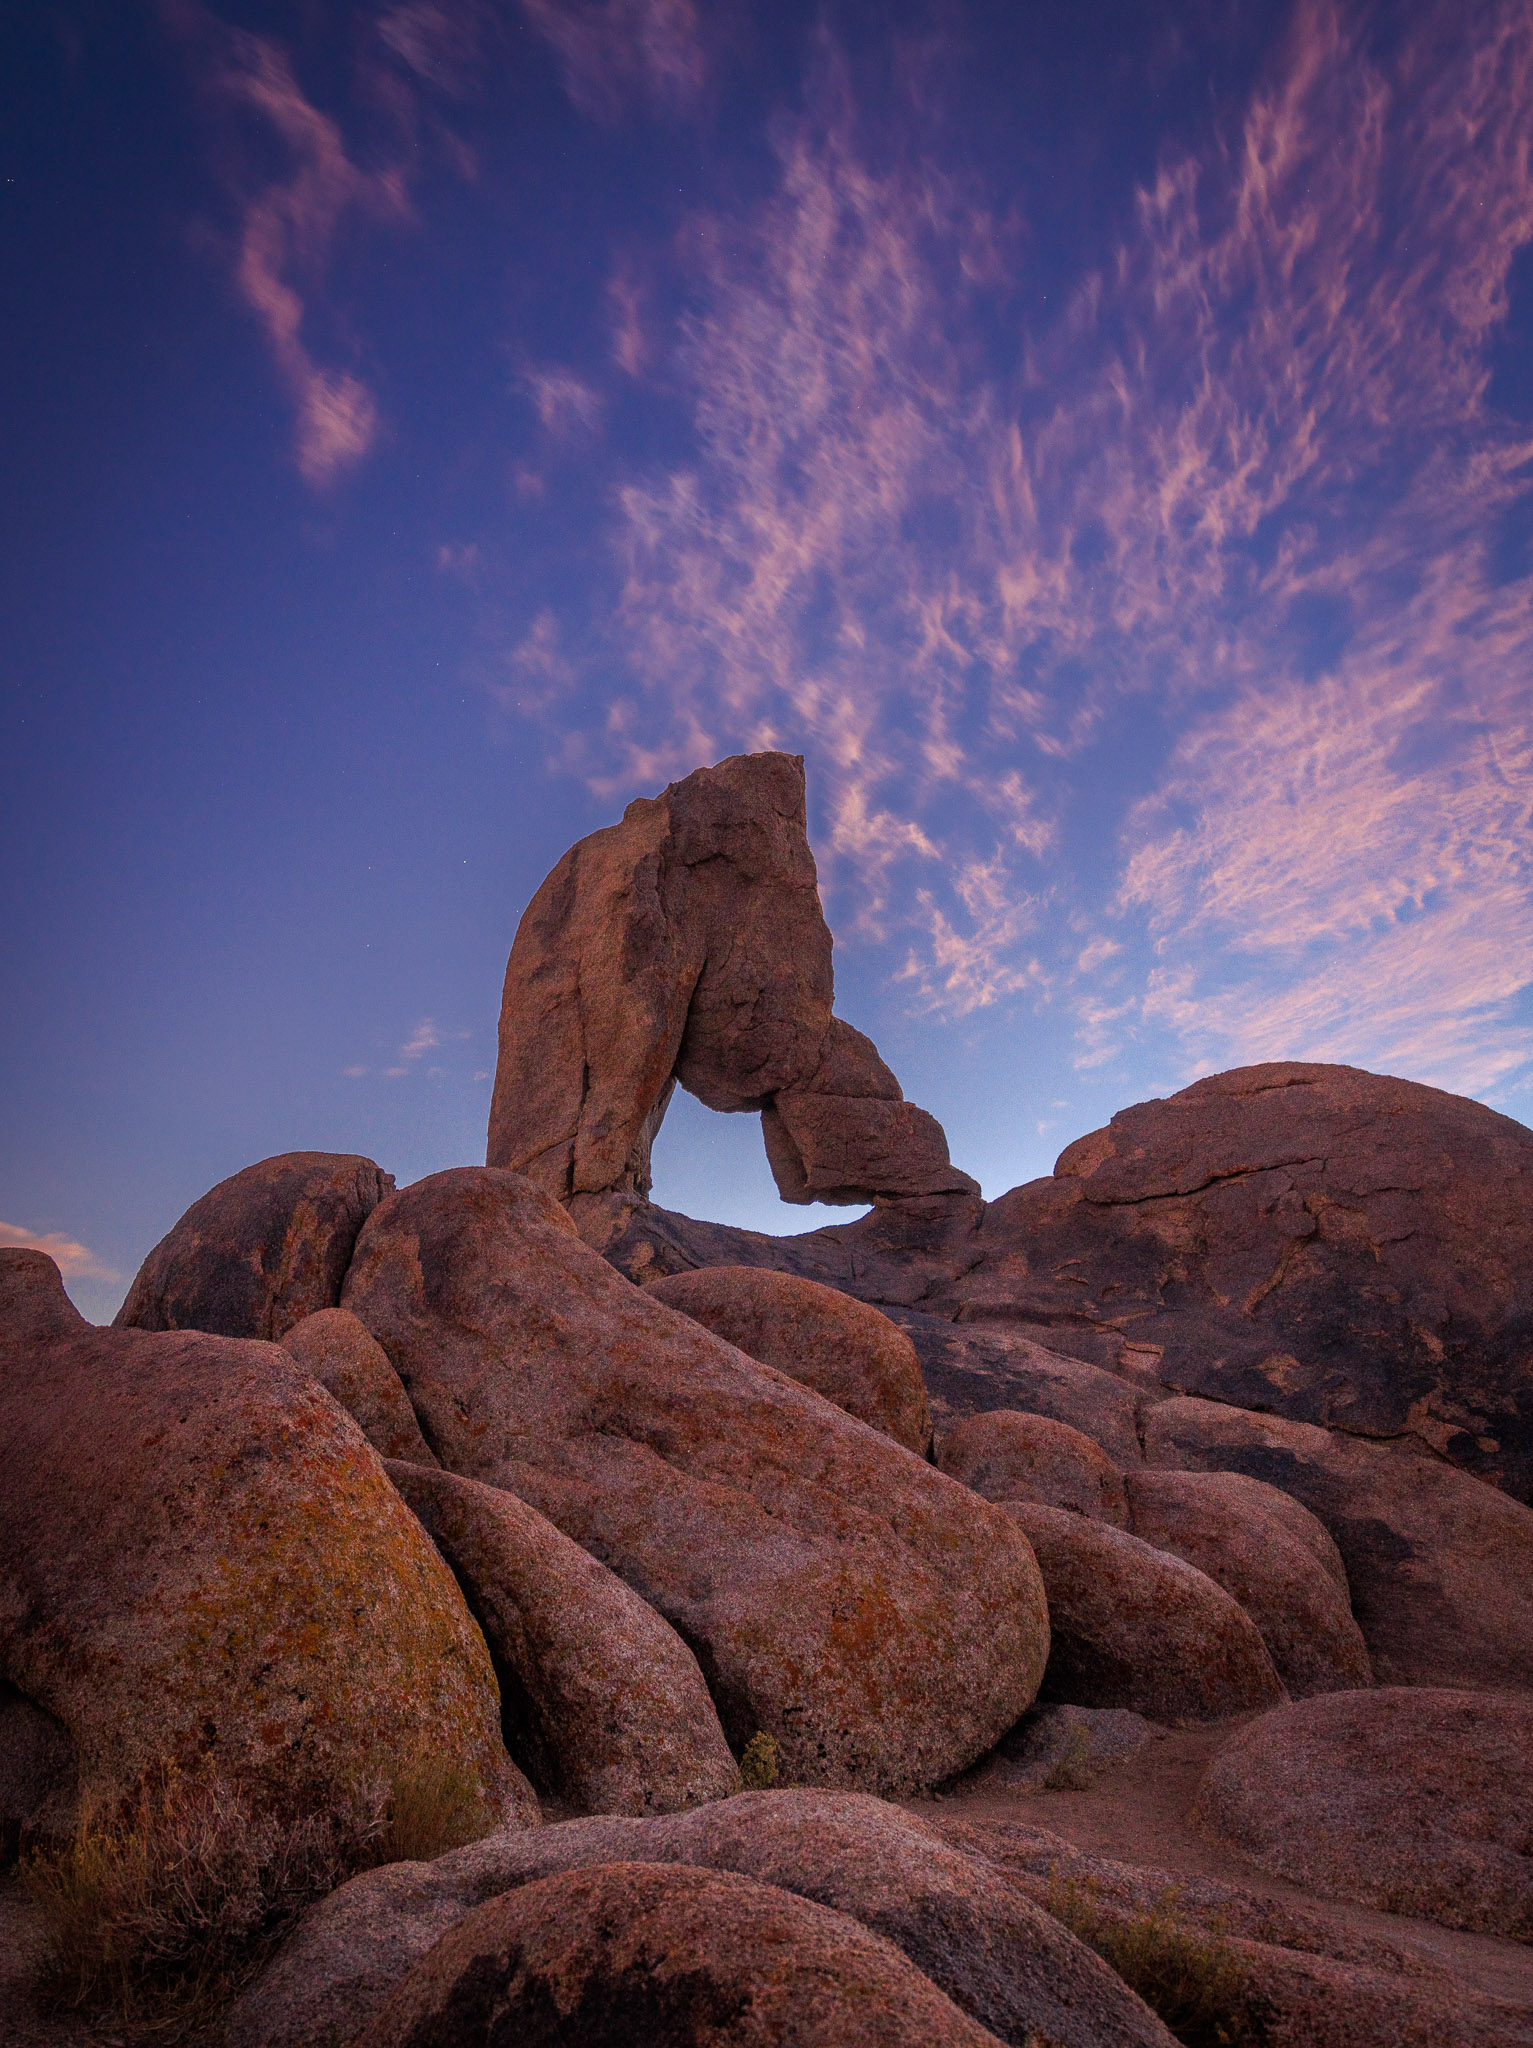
x=687 y=944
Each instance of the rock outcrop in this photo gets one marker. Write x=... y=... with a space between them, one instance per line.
x=601 y=1702
x=881 y=1622
x=687 y=944
x=843 y=1349
x=1439 y=1564
x=1328 y=1245
x=640 y=1952
x=994 y=1952
x=202 y=1557
x=1135 y=1627
x=1410 y=1799
x=1228 y=1526
x=261 y=1251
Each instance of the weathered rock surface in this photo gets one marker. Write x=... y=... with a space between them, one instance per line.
x=1009 y=1455
x=995 y=1953
x=687 y=944
x=1298 y=1978
x=261 y=1251
x=38 y=1776
x=1332 y=1246
x=1335 y=1247
x=884 y=1624
x=201 y=1554
x=1222 y=1523
x=601 y=1702
x=348 y=1360
x=1440 y=1565
x=1416 y=1800
x=843 y=1349
x=1132 y=1626
x=628 y=1952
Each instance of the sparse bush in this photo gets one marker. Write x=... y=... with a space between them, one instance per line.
x=434 y=1805
x=760 y=1763
x=1194 y=1980
x=161 y=1907
x=1071 y=1770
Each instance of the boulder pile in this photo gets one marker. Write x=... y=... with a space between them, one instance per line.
x=625 y=1517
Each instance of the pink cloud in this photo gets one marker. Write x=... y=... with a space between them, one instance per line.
x=1270 y=405
x=613 y=52
x=288 y=226
x=74 y=1260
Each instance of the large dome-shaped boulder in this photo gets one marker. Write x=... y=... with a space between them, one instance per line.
x=201 y=1556
x=843 y=1349
x=1321 y=1243
x=1413 y=1799
x=261 y=1251
x=884 y=1624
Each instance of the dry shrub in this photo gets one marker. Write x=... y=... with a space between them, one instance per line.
x=434 y=1805
x=1072 y=1769
x=760 y=1763
x=160 y=1907
x=1194 y=1980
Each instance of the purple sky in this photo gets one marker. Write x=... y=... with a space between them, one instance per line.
x=1099 y=438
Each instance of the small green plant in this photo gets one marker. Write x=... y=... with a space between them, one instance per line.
x=1194 y=1980
x=760 y=1763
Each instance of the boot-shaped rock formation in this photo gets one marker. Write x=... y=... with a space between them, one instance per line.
x=687 y=944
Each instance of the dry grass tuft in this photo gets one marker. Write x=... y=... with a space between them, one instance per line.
x=434 y=1805
x=1193 y=1980
x=760 y=1763
x=161 y=1907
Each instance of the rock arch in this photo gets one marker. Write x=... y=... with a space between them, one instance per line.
x=687 y=944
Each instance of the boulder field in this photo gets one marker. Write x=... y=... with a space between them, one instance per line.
x=1221 y=1433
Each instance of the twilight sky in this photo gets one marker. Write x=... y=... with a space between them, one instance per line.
x=1098 y=437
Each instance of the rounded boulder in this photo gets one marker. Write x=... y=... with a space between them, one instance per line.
x=1009 y=1455
x=883 y=1624
x=1416 y=1800
x=1134 y=1627
x=203 y=1558
x=842 y=1348
x=639 y=1952
x=261 y=1251
x=1221 y=1522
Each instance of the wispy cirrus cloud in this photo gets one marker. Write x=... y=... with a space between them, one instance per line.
x=288 y=224
x=1246 y=481
x=74 y=1260
x=615 y=52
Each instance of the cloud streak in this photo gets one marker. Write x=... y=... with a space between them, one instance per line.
x=74 y=1260
x=1247 y=480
